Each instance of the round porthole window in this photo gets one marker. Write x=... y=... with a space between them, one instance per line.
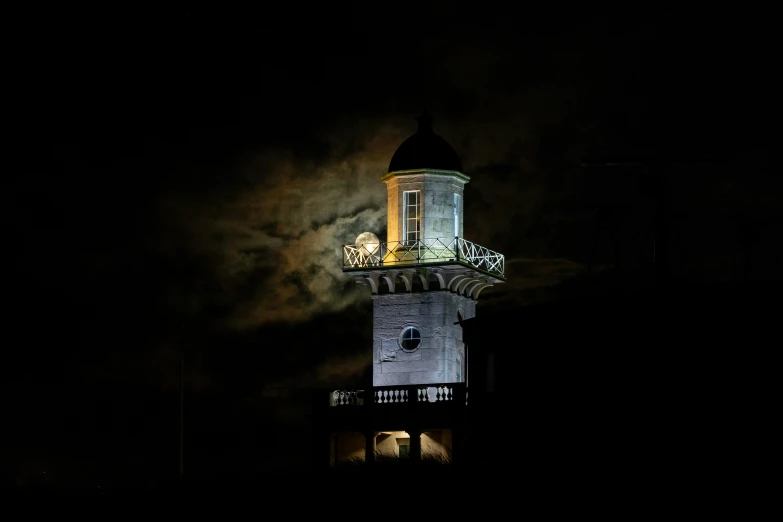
x=410 y=338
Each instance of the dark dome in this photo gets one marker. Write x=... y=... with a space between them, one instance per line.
x=425 y=150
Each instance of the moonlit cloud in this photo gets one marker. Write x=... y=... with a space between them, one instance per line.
x=274 y=239
x=259 y=244
x=267 y=237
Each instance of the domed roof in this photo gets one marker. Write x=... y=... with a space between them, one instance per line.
x=425 y=150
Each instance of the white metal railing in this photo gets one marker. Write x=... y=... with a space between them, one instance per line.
x=397 y=253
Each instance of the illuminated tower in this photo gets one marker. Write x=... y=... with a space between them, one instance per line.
x=425 y=277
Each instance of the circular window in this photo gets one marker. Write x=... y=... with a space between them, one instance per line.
x=410 y=338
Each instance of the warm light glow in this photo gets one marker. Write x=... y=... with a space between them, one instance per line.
x=367 y=243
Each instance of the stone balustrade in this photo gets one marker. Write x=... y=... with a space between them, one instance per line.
x=390 y=395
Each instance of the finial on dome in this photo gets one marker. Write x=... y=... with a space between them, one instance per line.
x=425 y=121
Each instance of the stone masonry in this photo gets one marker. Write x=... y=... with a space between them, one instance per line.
x=440 y=358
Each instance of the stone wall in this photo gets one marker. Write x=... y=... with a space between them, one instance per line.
x=440 y=356
x=437 y=204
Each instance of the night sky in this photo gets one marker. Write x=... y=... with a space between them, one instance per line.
x=185 y=179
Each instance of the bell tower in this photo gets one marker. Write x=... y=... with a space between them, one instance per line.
x=426 y=277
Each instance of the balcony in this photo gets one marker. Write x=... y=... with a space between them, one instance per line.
x=421 y=394
x=424 y=252
x=439 y=405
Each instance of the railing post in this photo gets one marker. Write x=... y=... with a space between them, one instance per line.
x=456 y=246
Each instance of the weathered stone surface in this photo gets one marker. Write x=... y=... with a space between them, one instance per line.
x=403 y=356
x=427 y=377
x=386 y=325
x=433 y=314
x=436 y=199
x=428 y=354
x=434 y=343
x=441 y=226
x=412 y=366
x=391 y=379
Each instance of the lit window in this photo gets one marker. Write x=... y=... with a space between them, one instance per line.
x=411 y=222
x=410 y=338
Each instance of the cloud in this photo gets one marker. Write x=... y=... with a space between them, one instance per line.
x=270 y=240
x=336 y=371
x=265 y=238
x=264 y=235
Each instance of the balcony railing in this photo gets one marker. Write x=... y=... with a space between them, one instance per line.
x=396 y=254
x=387 y=395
